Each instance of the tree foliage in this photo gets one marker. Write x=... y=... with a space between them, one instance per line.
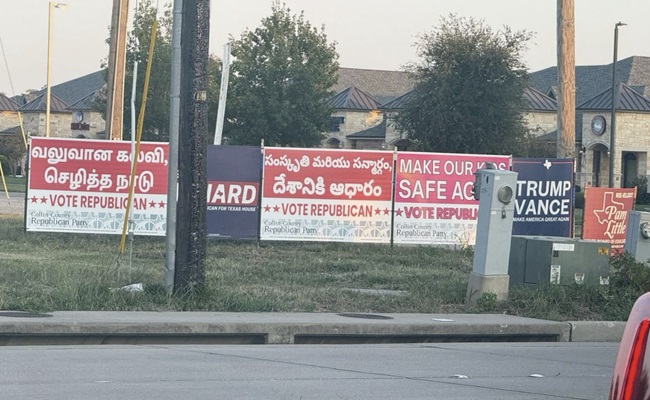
x=156 y=118
x=281 y=80
x=469 y=90
x=12 y=148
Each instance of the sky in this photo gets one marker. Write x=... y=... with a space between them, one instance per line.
x=370 y=34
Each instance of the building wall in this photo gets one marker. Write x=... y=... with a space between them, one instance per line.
x=8 y=119
x=355 y=121
x=60 y=124
x=540 y=123
x=632 y=136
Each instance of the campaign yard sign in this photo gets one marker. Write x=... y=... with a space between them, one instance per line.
x=544 y=197
x=81 y=185
x=605 y=215
x=433 y=197
x=234 y=174
x=326 y=195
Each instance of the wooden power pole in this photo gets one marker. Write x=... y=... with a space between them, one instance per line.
x=566 y=80
x=116 y=64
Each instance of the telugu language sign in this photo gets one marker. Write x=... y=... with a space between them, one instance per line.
x=80 y=185
x=605 y=215
x=433 y=197
x=326 y=195
x=233 y=191
x=544 y=197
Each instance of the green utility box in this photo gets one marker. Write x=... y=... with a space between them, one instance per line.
x=558 y=261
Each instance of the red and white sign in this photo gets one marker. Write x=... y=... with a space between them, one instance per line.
x=433 y=197
x=326 y=195
x=605 y=215
x=80 y=185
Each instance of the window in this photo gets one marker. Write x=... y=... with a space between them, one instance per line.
x=335 y=123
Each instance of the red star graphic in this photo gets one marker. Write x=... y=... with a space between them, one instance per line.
x=34 y=199
x=43 y=200
x=152 y=204
x=267 y=208
x=276 y=209
x=219 y=193
x=386 y=211
x=377 y=211
x=161 y=204
x=398 y=212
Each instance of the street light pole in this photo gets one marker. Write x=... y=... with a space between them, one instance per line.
x=49 y=66
x=612 y=130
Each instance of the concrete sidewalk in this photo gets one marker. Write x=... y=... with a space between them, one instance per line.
x=83 y=327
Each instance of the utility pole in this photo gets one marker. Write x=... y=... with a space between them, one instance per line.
x=116 y=67
x=566 y=133
x=191 y=227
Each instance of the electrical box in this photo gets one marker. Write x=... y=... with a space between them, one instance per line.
x=558 y=261
x=637 y=236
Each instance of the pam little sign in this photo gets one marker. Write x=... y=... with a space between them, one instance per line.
x=605 y=215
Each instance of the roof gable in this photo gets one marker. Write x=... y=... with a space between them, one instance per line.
x=78 y=88
x=39 y=105
x=86 y=103
x=628 y=100
x=591 y=79
x=354 y=99
x=382 y=85
x=400 y=102
x=6 y=104
x=538 y=101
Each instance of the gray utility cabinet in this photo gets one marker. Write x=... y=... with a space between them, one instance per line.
x=558 y=261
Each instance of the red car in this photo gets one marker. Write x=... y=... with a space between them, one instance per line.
x=631 y=380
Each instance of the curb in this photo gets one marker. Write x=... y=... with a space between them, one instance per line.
x=274 y=328
x=596 y=331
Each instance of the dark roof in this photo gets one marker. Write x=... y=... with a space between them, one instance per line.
x=376 y=132
x=353 y=98
x=10 y=131
x=398 y=103
x=39 y=105
x=628 y=100
x=74 y=90
x=85 y=103
x=538 y=101
x=384 y=86
x=548 y=137
x=6 y=104
x=591 y=79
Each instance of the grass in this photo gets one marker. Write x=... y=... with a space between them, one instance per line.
x=14 y=184
x=48 y=272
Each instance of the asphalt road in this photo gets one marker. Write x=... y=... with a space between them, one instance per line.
x=411 y=371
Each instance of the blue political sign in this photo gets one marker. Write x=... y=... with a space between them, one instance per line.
x=233 y=191
x=545 y=196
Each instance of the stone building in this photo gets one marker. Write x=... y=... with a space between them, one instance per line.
x=72 y=112
x=593 y=119
x=631 y=137
x=363 y=116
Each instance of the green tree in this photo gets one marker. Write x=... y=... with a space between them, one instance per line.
x=156 y=118
x=469 y=89
x=13 y=149
x=281 y=82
